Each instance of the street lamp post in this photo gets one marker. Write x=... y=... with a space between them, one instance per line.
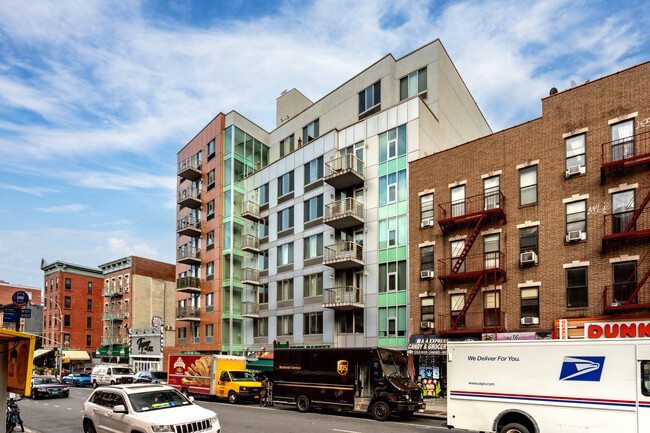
x=60 y=357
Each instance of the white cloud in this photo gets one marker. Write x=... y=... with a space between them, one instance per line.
x=38 y=191
x=63 y=208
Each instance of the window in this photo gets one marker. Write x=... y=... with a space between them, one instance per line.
x=393 y=232
x=66 y=320
x=413 y=84
x=313 y=170
x=285 y=219
x=528 y=185
x=209 y=331
x=492 y=308
x=210 y=207
x=209 y=238
x=285 y=254
x=263 y=261
x=263 y=194
x=623 y=208
x=370 y=98
x=426 y=309
x=90 y=286
x=313 y=247
x=263 y=228
x=426 y=207
x=576 y=287
x=211 y=178
x=285 y=184
x=285 y=290
x=645 y=378
x=313 y=285
x=350 y=321
x=209 y=269
x=575 y=151
x=89 y=306
x=491 y=195
x=285 y=325
x=576 y=216
x=392 y=321
x=89 y=322
x=286 y=146
x=209 y=302
x=457 y=248
x=89 y=340
x=314 y=208
x=623 y=140
x=263 y=294
x=392 y=276
x=491 y=251
x=310 y=132
x=392 y=143
x=313 y=323
x=57 y=282
x=261 y=327
x=211 y=147
x=426 y=258
x=67 y=302
x=458 y=201
x=182 y=334
x=392 y=187
x=528 y=240
x=68 y=284
x=529 y=302
x=457 y=302
x=624 y=281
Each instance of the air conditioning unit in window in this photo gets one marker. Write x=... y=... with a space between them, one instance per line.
x=426 y=274
x=528 y=258
x=426 y=223
x=574 y=170
x=427 y=325
x=575 y=235
x=530 y=320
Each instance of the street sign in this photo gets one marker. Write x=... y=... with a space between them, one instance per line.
x=20 y=298
x=10 y=316
x=25 y=313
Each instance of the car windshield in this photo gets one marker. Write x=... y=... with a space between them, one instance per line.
x=154 y=400
x=122 y=371
x=242 y=376
x=45 y=381
x=159 y=375
x=394 y=364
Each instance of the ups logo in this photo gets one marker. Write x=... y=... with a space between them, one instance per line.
x=342 y=367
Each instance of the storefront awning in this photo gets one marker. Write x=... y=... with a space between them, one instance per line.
x=75 y=355
x=121 y=351
x=260 y=365
x=41 y=352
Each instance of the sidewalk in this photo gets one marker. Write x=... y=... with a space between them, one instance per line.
x=436 y=408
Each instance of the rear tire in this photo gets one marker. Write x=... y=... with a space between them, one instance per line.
x=303 y=404
x=89 y=427
x=514 y=427
x=95 y=384
x=232 y=397
x=381 y=411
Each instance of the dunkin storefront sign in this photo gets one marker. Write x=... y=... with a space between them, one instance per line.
x=617 y=330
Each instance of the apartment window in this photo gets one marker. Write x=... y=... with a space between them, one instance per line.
x=90 y=287
x=492 y=308
x=285 y=290
x=426 y=207
x=209 y=269
x=68 y=284
x=576 y=216
x=530 y=302
x=211 y=147
x=576 y=287
x=623 y=208
x=314 y=208
x=210 y=208
x=458 y=201
x=413 y=84
x=261 y=327
x=263 y=194
x=89 y=305
x=393 y=232
x=313 y=170
x=491 y=190
x=209 y=331
x=426 y=309
x=310 y=132
x=285 y=325
x=89 y=322
x=370 y=99
x=426 y=258
x=263 y=261
x=529 y=240
x=89 y=340
x=57 y=282
x=313 y=285
x=67 y=302
x=457 y=301
x=313 y=247
x=491 y=251
x=211 y=178
x=285 y=219
x=285 y=184
x=623 y=140
x=392 y=276
x=66 y=339
x=313 y=323
x=350 y=321
x=285 y=254
x=209 y=239
x=624 y=281
x=263 y=228
x=392 y=143
x=182 y=334
x=392 y=187
x=286 y=146
x=528 y=185
x=392 y=321
x=209 y=303
x=457 y=248
x=263 y=294
x=66 y=320
x=575 y=151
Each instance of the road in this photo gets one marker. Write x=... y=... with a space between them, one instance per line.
x=63 y=415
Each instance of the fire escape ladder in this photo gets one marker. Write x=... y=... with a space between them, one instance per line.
x=644 y=188
x=640 y=283
x=468 y=302
x=468 y=245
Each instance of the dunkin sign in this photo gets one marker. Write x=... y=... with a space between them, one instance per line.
x=617 y=330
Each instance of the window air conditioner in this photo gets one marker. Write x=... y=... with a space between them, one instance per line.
x=427 y=325
x=574 y=170
x=530 y=320
x=426 y=274
x=527 y=258
x=426 y=223
x=574 y=235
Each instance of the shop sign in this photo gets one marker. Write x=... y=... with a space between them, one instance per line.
x=427 y=345
x=146 y=342
x=564 y=329
x=617 y=330
x=517 y=336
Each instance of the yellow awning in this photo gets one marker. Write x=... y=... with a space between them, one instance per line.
x=41 y=352
x=75 y=355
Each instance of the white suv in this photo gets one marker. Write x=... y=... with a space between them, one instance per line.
x=104 y=374
x=145 y=408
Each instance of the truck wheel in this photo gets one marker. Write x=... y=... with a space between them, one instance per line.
x=95 y=385
x=514 y=427
x=303 y=403
x=232 y=397
x=381 y=411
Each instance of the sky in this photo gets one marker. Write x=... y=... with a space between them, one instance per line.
x=97 y=97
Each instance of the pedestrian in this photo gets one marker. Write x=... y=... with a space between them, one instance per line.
x=265 y=385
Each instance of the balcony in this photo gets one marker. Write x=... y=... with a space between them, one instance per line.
x=619 y=155
x=115 y=316
x=188 y=285
x=189 y=197
x=108 y=341
x=474 y=265
x=344 y=255
x=190 y=168
x=459 y=212
x=250 y=309
x=344 y=171
x=625 y=298
x=344 y=214
x=250 y=210
x=486 y=321
x=250 y=276
x=189 y=226
x=188 y=255
x=189 y=314
x=112 y=292
x=250 y=243
x=343 y=298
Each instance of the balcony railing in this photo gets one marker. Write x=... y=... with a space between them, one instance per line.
x=190 y=197
x=473 y=265
x=113 y=291
x=107 y=341
x=188 y=255
x=188 y=313
x=343 y=214
x=188 y=226
x=250 y=276
x=343 y=298
x=190 y=168
x=344 y=171
x=188 y=285
x=459 y=211
x=250 y=309
x=618 y=225
x=344 y=255
x=618 y=298
x=486 y=321
x=250 y=210
x=250 y=243
x=619 y=154
x=115 y=315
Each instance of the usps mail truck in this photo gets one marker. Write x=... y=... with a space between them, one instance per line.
x=549 y=386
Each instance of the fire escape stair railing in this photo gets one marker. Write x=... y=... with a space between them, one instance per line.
x=641 y=207
x=468 y=302
x=468 y=245
x=640 y=284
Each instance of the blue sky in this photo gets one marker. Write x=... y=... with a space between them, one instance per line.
x=97 y=97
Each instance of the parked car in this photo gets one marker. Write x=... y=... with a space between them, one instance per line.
x=48 y=386
x=145 y=407
x=151 y=377
x=77 y=379
x=107 y=374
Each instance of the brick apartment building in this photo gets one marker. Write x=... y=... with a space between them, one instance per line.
x=538 y=228
x=32 y=325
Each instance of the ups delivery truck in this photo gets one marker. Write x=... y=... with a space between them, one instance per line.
x=372 y=380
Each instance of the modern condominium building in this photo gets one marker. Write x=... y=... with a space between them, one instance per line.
x=300 y=234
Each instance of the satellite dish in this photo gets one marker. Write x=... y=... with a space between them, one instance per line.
x=573 y=83
x=552 y=92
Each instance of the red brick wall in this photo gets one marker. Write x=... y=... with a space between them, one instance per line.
x=153 y=269
x=7 y=290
